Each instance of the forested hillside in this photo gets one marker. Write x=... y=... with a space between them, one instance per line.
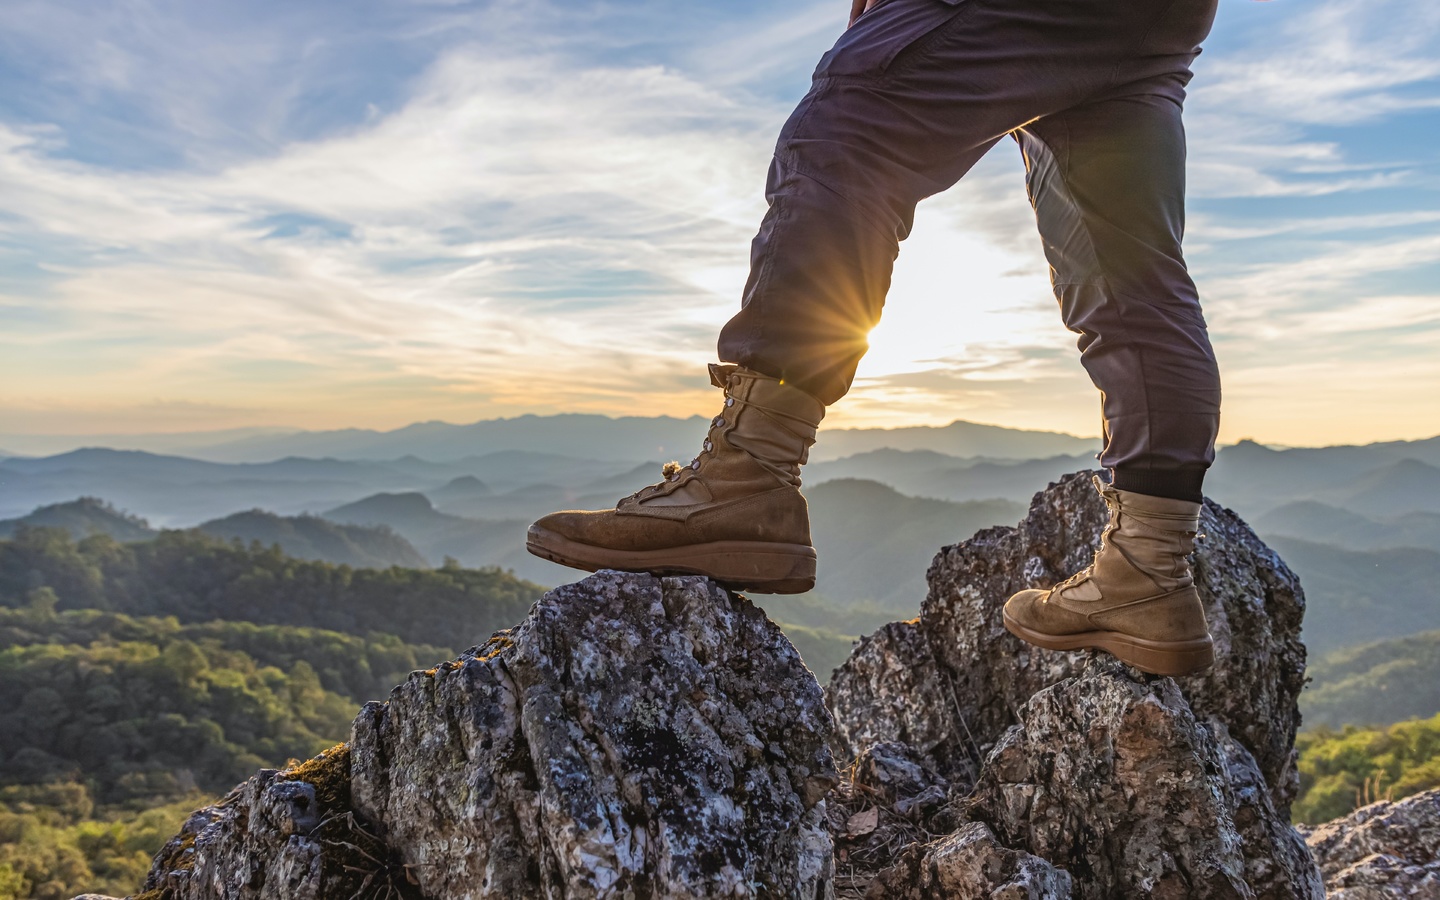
x=1342 y=770
x=198 y=578
x=116 y=726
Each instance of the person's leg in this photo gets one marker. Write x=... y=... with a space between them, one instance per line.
x=1107 y=183
x=903 y=106
x=910 y=97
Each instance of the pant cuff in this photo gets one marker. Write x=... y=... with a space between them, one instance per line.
x=1176 y=484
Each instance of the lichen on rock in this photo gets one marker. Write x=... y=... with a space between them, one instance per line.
x=633 y=737
x=1382 y=851
x=1110 y=776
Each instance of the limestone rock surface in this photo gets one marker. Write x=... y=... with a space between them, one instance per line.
x=951 y=682
x=1382 y=851
x=633 y=737
x=1111 y=776
x=262 y=842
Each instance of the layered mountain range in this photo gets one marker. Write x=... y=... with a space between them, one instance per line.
x=1361 y=524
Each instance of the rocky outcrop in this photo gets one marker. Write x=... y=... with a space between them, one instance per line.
x=634 y=737
x=273 y=838
x=1110 y=776
x=1136 y=786
x=975 y=675
x=1108 y=779
x=1382 y=851
x=647 y=737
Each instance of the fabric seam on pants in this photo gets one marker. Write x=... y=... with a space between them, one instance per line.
x=782 y=212
x=1139 y=46
x=924 y=48
x=871 y=213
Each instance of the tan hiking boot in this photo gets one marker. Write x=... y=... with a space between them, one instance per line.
x=1137 y=600
x=734 y=513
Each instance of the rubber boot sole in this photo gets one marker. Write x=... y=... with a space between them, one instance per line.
x=1154 y=657
x=761 y=567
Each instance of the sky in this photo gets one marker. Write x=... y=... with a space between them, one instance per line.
x=366 y=213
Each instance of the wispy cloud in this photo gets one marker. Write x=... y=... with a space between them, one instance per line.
x=369 y=215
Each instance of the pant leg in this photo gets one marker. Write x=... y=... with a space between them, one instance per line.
x=907 y=101
x=1107 y=180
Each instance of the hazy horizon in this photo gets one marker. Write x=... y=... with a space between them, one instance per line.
x=178 y=441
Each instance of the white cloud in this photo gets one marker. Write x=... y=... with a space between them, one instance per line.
x=1343 y=63
x=553 y=214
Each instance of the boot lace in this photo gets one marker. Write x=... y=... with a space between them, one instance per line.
x=1113 y=506
x=671 y=471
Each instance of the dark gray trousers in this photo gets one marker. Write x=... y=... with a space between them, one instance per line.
x=912 y=95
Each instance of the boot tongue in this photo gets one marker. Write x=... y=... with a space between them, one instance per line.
x=720 y=374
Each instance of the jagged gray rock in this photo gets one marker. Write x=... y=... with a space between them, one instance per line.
x=894 y=778
x=970 y=675
x=635 y=736
x=1110 y=777
x=892 y=688
x=1382 y=851
x=970 y=863
x=1277 y=862
x=1066 y=745
x=258 y=844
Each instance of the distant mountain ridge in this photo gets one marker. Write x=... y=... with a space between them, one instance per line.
x=627 y=438
x=303 y=537
x=82 y=518
x=314 y=538
x=1385 y=478
x=1310 y=520
x=1357 y=596
x=438 y=535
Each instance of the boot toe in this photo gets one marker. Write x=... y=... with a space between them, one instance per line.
x=583 y=526
x=1035 y=613
x=1021 y=607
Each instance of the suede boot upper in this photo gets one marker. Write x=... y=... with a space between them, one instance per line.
x=743 y=486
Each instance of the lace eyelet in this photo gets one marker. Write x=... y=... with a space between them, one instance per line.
x=729 y=401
